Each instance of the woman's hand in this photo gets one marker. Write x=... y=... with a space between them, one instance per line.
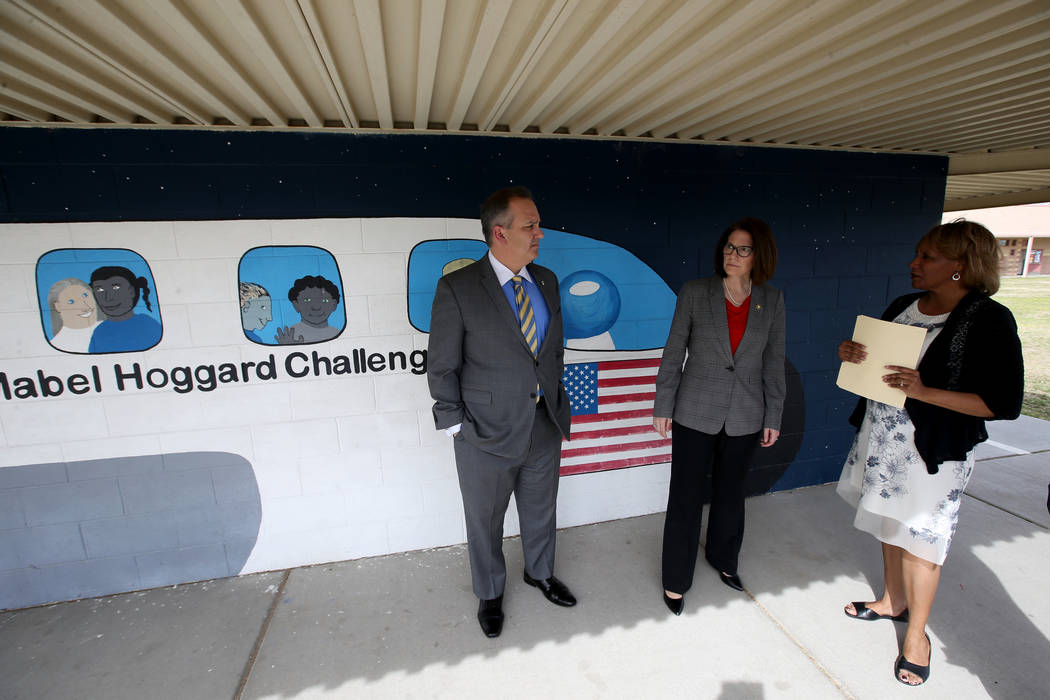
x=908 y=381
x=769 y=436
x=662 y=425
x=905 y=379
x=852 y=352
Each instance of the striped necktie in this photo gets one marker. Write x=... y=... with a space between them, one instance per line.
x=525 y=315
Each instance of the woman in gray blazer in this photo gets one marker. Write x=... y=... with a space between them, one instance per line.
x=728 y=331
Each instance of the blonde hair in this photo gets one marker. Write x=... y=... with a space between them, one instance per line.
x=249 y=291
x=975 y=246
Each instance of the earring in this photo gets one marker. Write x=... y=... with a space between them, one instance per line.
x=956 y=277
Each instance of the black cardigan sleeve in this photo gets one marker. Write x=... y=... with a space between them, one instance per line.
x=993 y=364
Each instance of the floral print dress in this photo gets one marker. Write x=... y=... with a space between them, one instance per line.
x=897 y=500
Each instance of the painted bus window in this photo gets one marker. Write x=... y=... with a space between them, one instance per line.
x=610 y=299
x=290 y=295
x=98 y=300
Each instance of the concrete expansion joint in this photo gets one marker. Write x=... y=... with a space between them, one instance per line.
x=250 y=664
x=801 y=647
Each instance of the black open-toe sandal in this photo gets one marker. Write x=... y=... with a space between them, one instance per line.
x=903 y=664
x=866 y=613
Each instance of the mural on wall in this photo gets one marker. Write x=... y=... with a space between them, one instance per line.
x=308 y=307
x=93 y=527
x=339 y=434
x=97 y=300
x=367 y=415
x=610 y=301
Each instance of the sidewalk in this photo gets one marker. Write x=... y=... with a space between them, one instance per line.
x=403 y=626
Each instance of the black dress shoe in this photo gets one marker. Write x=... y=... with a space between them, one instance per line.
x=731 y=580
x=675 y=605
x=553 y=590
x=490 y=615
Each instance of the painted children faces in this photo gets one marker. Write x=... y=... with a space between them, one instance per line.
x=256 y=313
x=76 y=306
x=315 y=305
x=116 y=297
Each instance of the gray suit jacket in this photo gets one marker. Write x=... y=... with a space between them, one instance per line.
x=745 y=392
x=480 y=370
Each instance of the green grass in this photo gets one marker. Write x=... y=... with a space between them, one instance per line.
x=1029 y=300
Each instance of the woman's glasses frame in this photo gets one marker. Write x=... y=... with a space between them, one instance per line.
x=743 y=251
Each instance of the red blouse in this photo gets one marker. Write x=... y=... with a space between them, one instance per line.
x=737 y=316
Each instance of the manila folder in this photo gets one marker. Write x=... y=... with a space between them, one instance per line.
x=887 y=343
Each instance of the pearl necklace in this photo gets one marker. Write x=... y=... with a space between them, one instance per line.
x=729 y=294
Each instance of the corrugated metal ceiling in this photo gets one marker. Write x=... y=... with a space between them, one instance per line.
x=966 y=79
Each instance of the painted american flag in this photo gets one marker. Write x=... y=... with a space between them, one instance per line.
x=612 y=416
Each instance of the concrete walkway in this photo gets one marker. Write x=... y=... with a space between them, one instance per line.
x=403 y=626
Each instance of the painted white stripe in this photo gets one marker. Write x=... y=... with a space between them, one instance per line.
x=604 y=425
x=629 y=406
x=635 y=372
x=630 y=389
x=620 y=440
x=613 y=456
x=1007 y=448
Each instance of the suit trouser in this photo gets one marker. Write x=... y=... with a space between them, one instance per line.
x=486 y=482
x=694 y=456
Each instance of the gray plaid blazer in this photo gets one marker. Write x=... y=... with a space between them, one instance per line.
x=744 y=393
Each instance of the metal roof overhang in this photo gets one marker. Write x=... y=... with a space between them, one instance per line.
x=965 y=79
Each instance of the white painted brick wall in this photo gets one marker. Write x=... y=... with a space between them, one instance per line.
x=399 y=234
x=24 y=243
x=337 y=236
x=21 y=297
x=41 y=422
x=220 y=239
x=153 y=240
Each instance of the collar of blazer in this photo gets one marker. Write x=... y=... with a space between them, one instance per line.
x=490 y=282
x=717 y=305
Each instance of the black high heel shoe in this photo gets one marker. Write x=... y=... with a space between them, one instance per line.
x=675 y=605
x=731 y=580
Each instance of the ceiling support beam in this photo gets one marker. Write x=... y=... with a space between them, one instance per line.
x=1007 y=199
x=370 y=28
x=980 y=163
x=431 y=23
x=246 y=25
x=612 y=23
x=312 y=33
x=194 y=38
x=545 y=35
x=492 y=19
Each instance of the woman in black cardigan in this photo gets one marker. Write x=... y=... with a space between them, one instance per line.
x=908 y=467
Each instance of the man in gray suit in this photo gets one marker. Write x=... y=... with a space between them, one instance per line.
x=494 y=365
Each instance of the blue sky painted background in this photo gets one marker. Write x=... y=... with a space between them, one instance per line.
x=646 y=303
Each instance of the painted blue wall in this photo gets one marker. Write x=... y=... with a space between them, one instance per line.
x=845 y=222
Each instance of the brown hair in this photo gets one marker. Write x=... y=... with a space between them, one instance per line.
x=494 y=209
x=765 y=248
x=973 y=245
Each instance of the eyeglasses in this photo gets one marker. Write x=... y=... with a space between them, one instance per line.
x=741 y=250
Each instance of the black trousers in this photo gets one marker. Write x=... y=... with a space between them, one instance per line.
x=694 y=457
